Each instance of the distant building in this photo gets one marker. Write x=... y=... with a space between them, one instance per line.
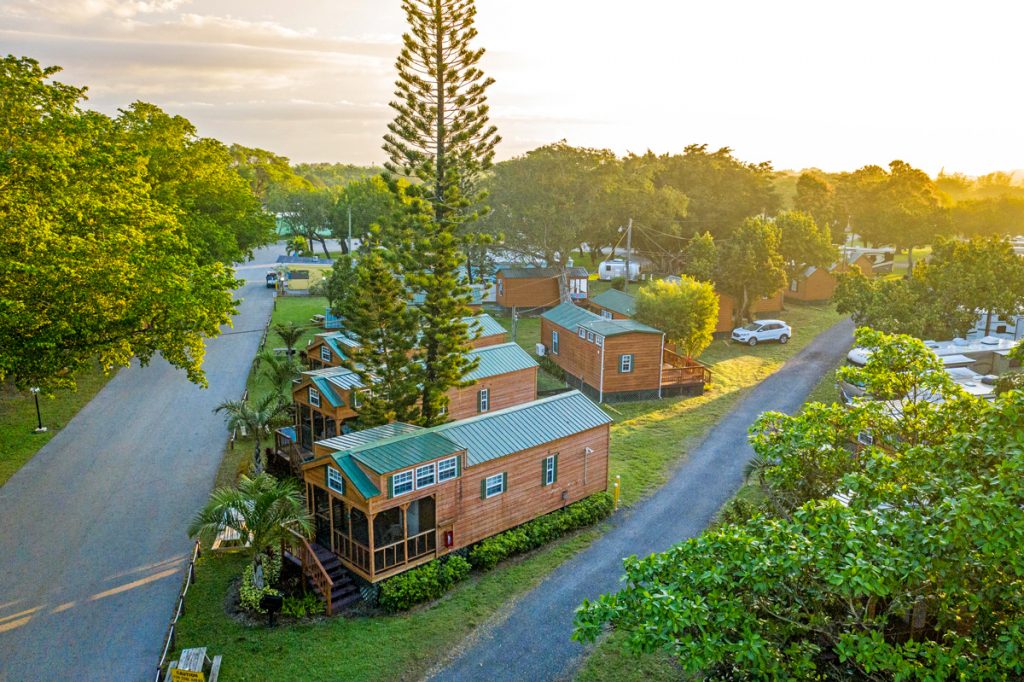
x=539 y=287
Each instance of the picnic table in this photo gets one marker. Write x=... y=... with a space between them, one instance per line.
x=192 y=667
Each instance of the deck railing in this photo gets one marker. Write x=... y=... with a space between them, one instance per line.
x=403 y=551
x=312 y=568
x=352 y=551
x=677 y=369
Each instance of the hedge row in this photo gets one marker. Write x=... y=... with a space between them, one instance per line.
x=543 y=529
x=423 y=583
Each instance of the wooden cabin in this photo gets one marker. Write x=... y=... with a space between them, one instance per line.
x=538 y=287
x=390 y=498
x=726 y=305
x=614 y=360
x=613 y=305
x=327 y=400
x=819 y=284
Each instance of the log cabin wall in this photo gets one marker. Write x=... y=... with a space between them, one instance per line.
x=523 y=292
x=503 y=390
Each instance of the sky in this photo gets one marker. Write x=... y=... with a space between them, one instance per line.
x=801 y=84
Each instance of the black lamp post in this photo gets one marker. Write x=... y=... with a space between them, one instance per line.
x=39 y=417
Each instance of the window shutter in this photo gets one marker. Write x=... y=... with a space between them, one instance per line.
x=504 y=481
x=556 y=466
x=391 y=487
x=458 y=465
x=544 y=472
x=479 y=400
x=483 y=488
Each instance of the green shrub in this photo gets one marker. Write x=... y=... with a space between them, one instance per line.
x=423 y=583
x=250 y=596
x=618 y=283
x=299 y=607
x=549 y=366
x=487 y=553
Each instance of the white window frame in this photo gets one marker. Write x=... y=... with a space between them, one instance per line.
x=325 y=353
x=554 y=342
x=395 y=492
x=489 y=484
x=357 y=400
x=334 y=478
x=314 y=397
x=484 y=400
x=582 y=332
x=606 y=315
x=598 y=339
x=590 y=336
x=865 y=438
x=447 y=469
x=626 y=363
x=426 y=469
x=549 y=470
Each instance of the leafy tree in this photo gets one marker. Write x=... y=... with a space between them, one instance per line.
x=266 y=172
x=255 y=418
x=92 y=264
x=441 y=137
x=339 y=283
x=290 y=333
x=750 y=266
x=261 y=506
x=700 y=257
x=914 y=576
x=816 y=195
x=686 y=311
x=308 y=213
x=722 y=190
x=803 y=244
x=550 y=200
x=194 y=177
x=334 y=175
x=378 y=315
x=298 y=246
x=369 y=201
x=991 y=216
x=279 y=370
x=900 y=306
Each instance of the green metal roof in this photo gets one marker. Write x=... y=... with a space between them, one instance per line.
x=342 y=377
x=326 y=391
x=542 y=273
x=616 y=301
x=487 y=325
x=501 y=358
x=497 y=434
x=404 y=451
x=572 y=316
x=356 y=475
x=357 y=438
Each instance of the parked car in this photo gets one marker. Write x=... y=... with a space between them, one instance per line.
x=271 y=280
x=762 y=330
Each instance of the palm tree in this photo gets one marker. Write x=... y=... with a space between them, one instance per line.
x=262 y=507
x=290 y=333
x=279 y=370
x=254 y=418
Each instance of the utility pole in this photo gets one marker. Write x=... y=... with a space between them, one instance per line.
x=629 y=252
x=348 y=246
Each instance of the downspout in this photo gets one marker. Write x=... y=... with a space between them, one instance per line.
x=661 y=364
x=600 y=389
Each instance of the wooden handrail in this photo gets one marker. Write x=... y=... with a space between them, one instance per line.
x=312 y=568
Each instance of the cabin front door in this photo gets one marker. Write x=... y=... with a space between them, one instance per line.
x=321 y=517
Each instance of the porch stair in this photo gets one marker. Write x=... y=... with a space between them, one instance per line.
x=344 y=591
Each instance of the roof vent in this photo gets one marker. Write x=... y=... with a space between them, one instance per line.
x=990 y=341
x=959 y=341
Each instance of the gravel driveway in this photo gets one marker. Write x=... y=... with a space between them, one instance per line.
x=533 y=643
x=93 y=540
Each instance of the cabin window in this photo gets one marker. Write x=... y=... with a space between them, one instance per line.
x=549 y=473
x=325 y=353
x=401 y=483
x=582 y=332
x=606 y=315
x=865 y=438
x=314 y=397
x=494 y=485
x=794 y=285
x=599 y=340
x=334 y=480
x=626 y=363
x=554 y=342
x=298 y=274
x=447 y=469
x=590 y=336
x=483 y=400
x=425 y=476
x=357 y=399
x=501 y=287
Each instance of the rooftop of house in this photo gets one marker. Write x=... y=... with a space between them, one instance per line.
x=487 y=325
x=484 y=437
x=571 y=316
x=616 y=301
x=542 y=273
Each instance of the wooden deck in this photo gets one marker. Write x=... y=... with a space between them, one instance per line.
x=678 y=370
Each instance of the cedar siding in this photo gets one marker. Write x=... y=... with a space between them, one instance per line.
x=504 y=390
x=374 y=530
x=537 y=287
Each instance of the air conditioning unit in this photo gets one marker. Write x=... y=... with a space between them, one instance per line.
x=541 y=350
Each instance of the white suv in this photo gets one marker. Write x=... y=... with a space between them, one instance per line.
x=762 y=330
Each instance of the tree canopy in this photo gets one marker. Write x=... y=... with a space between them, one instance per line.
x=803 y=244
x=687 y=311
x=898 y=560
x=102 y=255
x=750 y=265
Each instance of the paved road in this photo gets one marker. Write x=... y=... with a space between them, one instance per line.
x=533 y=642
x=92 y=540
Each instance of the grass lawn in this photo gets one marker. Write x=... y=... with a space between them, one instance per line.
x=18 y=418
x=400 y=647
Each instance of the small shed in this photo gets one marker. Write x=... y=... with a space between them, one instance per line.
x=299 y=273
x=539 y=287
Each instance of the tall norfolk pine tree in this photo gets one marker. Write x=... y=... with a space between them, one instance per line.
x=440 y=136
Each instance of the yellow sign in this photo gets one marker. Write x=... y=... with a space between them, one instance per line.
x=178 y=675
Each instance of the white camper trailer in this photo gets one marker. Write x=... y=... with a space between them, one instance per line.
x=616 y=267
